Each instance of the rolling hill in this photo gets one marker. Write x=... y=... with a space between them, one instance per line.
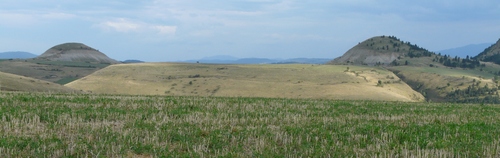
x=11 y=82
x=59 y=64
x=76 y=52
x=438 y=77
x=274 y=81
x=379 y=50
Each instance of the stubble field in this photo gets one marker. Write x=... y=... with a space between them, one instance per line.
x=88 y=125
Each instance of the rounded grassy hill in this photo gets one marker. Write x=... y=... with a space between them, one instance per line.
x=77 y=52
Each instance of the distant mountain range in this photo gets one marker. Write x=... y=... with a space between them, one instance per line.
x=16 y=55
x=462 y=52
x=132 y=61
x=225 y=59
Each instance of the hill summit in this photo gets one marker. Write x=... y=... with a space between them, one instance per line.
x=490 y=54
x=76 y=52
x=380 y=50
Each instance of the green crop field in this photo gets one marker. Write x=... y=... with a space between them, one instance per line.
x=88 y=125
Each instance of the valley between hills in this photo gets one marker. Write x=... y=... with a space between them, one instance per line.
x=381 y=68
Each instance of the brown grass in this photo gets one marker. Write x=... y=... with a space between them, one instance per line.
x=276 y=81
x=11 y=82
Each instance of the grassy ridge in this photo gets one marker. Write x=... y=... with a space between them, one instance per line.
x=48 y=125
x=11 y=82
x=278 y=81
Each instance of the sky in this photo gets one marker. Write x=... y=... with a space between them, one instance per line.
x=175 y=30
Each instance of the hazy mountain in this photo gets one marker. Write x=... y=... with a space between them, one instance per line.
x=219 y=58
x=16 y=55
x=462 y=52
x=132 y=61
x=225 y=59
x=305 y=61
x=255 y=61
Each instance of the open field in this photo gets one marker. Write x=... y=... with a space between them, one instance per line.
x=50 y=125
x=274 y=81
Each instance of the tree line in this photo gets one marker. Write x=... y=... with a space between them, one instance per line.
x=448 y=61
x=475 y=94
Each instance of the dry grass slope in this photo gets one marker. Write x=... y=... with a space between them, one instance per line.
x=275 y=81
x=11 y=82
x=438 y=82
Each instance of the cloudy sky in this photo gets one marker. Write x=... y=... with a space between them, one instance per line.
x=171 y=30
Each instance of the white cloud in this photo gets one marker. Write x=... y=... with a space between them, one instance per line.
x=120 y=25
x=128 y=26
x=162 y=29
x=14 y=19
x=236 y=24
x=23 y=18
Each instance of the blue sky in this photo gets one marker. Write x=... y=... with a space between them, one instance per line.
x=171 y=30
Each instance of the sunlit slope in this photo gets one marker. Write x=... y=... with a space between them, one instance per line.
x=11 y=82
x=282 y=81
